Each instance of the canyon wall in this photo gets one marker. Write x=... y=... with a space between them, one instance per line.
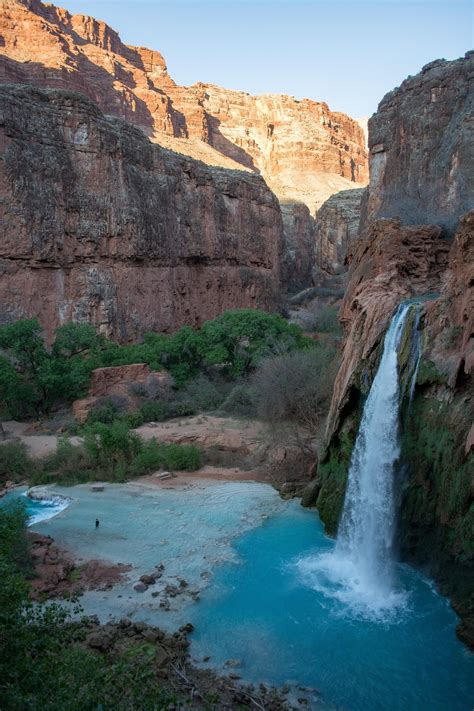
x=304 y=151
x=102 y=225
x=417 y=238
x=422 y=149
x=336 y=227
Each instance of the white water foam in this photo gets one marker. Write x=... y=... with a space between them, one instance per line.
x=360 y=571
x=45 y=508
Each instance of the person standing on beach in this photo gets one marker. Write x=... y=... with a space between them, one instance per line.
x=97 y=523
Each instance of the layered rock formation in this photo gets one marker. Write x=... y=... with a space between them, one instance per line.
x=422 y=165
x=336 y=227
x=101 y=225
x=304 y=151
x=422 y=149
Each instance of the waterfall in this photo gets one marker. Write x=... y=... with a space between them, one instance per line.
x=360 y=569
x=366 y=529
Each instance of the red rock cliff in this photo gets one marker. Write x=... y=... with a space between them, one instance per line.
x=304 y=151
x=102 y=225
x=417 y=237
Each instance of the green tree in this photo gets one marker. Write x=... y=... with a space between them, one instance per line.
x=239 y=339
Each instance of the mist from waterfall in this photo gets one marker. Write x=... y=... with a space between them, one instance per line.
x=360 y=570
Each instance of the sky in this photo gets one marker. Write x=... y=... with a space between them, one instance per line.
x=348 y=53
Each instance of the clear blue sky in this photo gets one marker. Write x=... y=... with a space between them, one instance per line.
x=348 y=53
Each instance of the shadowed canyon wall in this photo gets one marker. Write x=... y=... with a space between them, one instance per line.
x=417 y=238
x=102 y=225
x=304 y=151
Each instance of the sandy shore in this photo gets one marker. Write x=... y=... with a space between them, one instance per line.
x=201 y=476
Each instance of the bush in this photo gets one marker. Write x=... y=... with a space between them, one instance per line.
x=296 y=387
x=327 y=321
x=241 y=400
x=106 y=410
x=70 y=464
x=111 y=447
x=152 y=410
x=176 y=457
x=15 y=463
x=13 y=542
x=202 y=394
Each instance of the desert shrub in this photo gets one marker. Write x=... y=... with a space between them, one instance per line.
x=295 y=387
x=15 y=464
x=106 y=410
x=202 y=394
x=70 y=464
x=133 y=419
x=241 y=400
x=152 y=410
x=176 y=457
x=111 y=447
x=327 y=320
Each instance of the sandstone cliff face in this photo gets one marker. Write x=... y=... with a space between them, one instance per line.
x=101 y=225
x=422 y=148
x=304 y=151
x=297 y=255
x=337 y=226
x=422 y=166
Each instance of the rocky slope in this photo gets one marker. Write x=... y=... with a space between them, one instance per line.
x=109 y=228
x=422 y=165
x=304 y=151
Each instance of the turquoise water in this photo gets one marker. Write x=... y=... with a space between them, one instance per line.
x=262 y=604
x=263 y=612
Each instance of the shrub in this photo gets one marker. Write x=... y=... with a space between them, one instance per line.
x=13 y=542
x=50 y=670
x=70 y=464
x=295 y=387
x=202 y=394
x=176 y=457
x=15 y=464
x=241 y=400
x=111 y=446
x=327 y=320
x=152 y=410
x=106 y=410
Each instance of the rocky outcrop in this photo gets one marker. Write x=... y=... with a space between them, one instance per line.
x=304 y=151
x=337 y=225
x=422 y=149
x=118 y=386
x=421 y=172
x=112 y=229
x=56 y=574
x=297 y=255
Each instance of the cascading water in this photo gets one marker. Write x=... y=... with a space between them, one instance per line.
x=360 y=570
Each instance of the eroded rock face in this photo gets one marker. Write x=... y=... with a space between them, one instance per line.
x=421 y=144
x=101 y=225
x=297 y=255
x=304 y=151
x=337 y=225
x=417 y=238
x=391 y=264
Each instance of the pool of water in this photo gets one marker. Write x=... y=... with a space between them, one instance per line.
x=262 y=601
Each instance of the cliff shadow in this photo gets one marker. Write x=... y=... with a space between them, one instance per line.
x=226 y=147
